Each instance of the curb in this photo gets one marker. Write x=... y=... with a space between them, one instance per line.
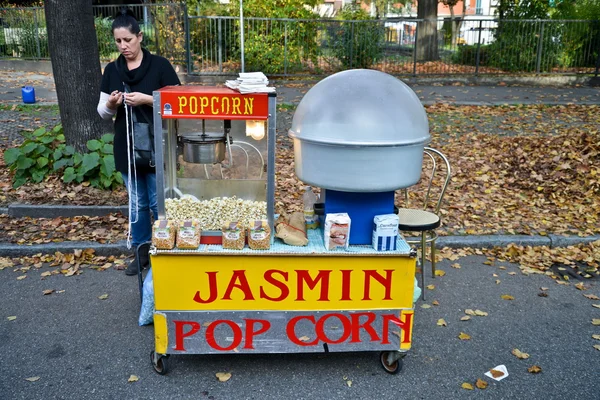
x=54 y=211
x=475 y=242
x=110 y=249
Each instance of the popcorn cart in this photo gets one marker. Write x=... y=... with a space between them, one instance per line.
x=280 y=299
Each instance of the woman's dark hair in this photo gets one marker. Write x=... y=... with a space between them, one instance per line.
x=126 y=19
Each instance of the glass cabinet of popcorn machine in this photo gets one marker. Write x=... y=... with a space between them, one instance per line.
x=215 y=156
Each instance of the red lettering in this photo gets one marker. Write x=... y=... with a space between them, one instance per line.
x=250 y=332
x=285 y=291
x=346 y=284
x=357 y=326
x=386 y=282
x=180 y=334
x=321 y=332
x=210 y=335
x=304 y=276
x=212 y=285
x=239 y=275
x=403 y=325
x=290 y=329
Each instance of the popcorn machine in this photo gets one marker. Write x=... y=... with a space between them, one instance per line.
x=215 y=145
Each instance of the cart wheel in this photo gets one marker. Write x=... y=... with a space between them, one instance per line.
x=159 y=363
x=392 y=368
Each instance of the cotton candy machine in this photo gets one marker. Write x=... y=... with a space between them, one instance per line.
x=359 y=135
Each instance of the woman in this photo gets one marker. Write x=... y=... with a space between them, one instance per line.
x=143 y=73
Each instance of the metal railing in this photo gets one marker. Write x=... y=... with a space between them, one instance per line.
x=473 y=46
x=288 y=47
x=23 y=31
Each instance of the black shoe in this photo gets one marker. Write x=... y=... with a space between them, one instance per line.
x=132 y=269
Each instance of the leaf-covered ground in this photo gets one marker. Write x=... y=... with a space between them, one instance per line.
x=516 y=170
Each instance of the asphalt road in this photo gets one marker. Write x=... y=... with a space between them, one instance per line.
x=82 y=347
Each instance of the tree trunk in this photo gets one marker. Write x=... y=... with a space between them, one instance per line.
x=75 y=64
x=453 y=23
x=427 y=43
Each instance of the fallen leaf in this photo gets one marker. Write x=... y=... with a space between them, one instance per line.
x=467 y=386
x=11 y=318
x=430 y=287
x=223 y=376
x=20 y=278
x=349 y=383
x=425 y=306
x=441 y=322
x=581 y=286
x=456 y=265
x=597 y=346
x=60 y=291
x=133 y=378
x=481 y=313
x=543 y=294
x=466 y=318
x=435 y=303
x=464 y=336
x=304 y=338
x=507 y=297
x=496 y=374
x=596 y=305
x=45 y=274
x=33 y=379
x=597 y=337
x=468 y=311
x=543 y=288
x=519 y=354
x=48 y=291
x=512 y=273
x=497 y=281
x=534 y=369
x=103 y=297
x=596 y=321
x=439 y=272
x=592 y=296
x=481 y=384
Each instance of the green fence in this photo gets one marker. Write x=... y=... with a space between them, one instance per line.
x=23 y=31
x=290 y=47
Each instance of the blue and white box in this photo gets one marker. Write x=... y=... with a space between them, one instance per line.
x=385 y=232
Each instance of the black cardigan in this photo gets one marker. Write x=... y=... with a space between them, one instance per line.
x=154 y=73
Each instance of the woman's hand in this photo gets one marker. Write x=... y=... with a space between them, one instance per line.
x=138 y=99
x=115 y=99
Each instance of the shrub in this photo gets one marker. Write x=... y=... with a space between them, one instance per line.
x=356 y=44
x=44 y=153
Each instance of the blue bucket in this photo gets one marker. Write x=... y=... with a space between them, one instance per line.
x=28 y=93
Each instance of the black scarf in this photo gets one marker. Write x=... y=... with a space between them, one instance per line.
x=135 y=76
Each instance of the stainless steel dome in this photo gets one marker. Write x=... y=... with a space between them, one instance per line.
x=360 y=130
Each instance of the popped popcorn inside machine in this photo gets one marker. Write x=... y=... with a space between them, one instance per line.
x=215 y=156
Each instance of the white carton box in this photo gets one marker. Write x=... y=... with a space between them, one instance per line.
x=337 y=231
x=385 y=232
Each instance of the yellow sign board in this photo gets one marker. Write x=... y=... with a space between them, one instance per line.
x=200 y=282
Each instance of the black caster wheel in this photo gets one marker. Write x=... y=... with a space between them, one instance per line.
x=391 y=368
x=159 y=363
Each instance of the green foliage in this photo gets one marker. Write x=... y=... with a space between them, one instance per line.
x=106 y=42
x=97 y=166
x=356 y=44
x=467 y=55
x=271 y=46
x=44 y=153
x=581 y=46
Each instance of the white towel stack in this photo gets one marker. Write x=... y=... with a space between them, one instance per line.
x=250 y=82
